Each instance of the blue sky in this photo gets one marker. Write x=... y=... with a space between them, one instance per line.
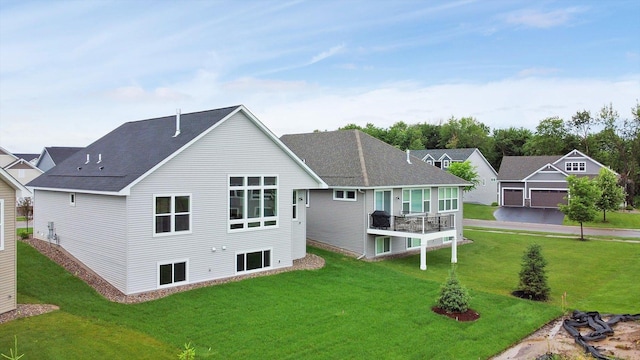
x=71 y=71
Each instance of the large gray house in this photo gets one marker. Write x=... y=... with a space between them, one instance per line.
x=540 y=181
x=486 y=192
x=422 y=205
x=177 y=200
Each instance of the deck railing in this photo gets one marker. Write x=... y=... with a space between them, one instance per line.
x=421 y=223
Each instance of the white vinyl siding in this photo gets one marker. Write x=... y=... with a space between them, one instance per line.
x=2 y=224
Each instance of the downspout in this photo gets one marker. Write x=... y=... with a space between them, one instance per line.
x=366 y=217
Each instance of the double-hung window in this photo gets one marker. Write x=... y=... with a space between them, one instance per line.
x=416 y=201
x=253 y=202
x=172 y=214
x=575 y=166
x=447 y=199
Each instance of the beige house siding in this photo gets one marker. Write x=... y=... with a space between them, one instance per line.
x=8 y=253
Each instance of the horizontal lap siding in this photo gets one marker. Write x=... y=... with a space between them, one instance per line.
x=335 y=222
x=236 y=147
x=487 y=193
x=8 y=255
x=93 y=230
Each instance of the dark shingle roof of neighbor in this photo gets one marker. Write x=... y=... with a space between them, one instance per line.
x=454 y=154
x=128 y=152
x=60 y=153
x=27 y=157
x=519 y=167
x=351 y=158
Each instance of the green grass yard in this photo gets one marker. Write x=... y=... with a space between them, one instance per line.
x=615 y=220
x=478 y=211
x=348 y=309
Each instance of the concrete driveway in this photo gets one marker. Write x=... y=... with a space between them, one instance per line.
x=529 y=215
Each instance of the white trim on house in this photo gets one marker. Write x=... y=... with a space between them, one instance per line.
x=541 y=170
x=173 y=282
x=260 y=269
x=172 y=215
x=345 y=194
x=583 y=156
x=502 y=189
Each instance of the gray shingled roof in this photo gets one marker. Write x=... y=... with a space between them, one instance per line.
x=27 y=157
x=127 y=152
x=61 y=153
x=454 y=154
x=519 y=167
x=351 y=158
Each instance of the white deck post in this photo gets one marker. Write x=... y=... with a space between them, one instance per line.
x=454 y=250
x=423 y=255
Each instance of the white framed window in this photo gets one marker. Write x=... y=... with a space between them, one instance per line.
x=253 y=261
x=416 y=201
x=171 y=214
x=447 y=199
x=430 y=162
x=344 y=195
x=448 y=239
x=253 y=202
x=294 y=204
x=445 y=164
x=484 y=182
x=382 y=201
x=383 y=245
x=1 y=224
x=413 y=243
x=575 y=166
x=172 y=273
x=72 y=199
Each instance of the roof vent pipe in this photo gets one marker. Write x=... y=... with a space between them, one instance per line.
x=86 y=162
x=99 y=158
x=408 y=157
x=177 y=123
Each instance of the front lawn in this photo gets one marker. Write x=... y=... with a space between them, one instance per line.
x=478 y=211
x=348 y=309
x=615 y=220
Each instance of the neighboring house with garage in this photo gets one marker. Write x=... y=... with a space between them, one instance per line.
x=9 y=187
x=380 y=201
x=540 y=181
x=50 y=156
x=178 y=200
x=486 y=192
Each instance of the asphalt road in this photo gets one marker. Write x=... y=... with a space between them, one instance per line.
x=562 y=229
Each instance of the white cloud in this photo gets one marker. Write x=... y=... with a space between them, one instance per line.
x=326 y=54
x=537 y=71
x=137 y=93
x=543 y=19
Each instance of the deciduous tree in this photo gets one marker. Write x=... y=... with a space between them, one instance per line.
x=611 y=194
x=581 y=206
x=465 y=170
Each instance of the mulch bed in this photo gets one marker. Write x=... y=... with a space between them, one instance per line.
x=469 y=315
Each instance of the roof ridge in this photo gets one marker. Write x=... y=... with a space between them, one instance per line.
x=363 y=166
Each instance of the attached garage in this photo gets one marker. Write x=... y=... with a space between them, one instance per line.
x=513 y=197
x=548 y=198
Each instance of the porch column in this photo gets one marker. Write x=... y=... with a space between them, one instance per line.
x=423 y=255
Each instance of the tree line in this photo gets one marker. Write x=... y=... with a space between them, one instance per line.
x=616 y=143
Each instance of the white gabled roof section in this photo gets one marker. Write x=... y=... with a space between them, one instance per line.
x=553 y=169
x=15 y=184
x=25 y=162
x=577 y=152
x=321 y=184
